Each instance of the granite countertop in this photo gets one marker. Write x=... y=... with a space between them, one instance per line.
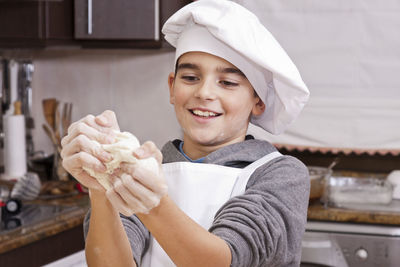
x=68 y=213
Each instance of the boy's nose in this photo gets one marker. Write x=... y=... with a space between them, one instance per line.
x=205 y=90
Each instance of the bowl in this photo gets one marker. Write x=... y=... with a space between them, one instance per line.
x=318 y=181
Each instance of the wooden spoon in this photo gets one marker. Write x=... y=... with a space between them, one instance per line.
x=49 y=107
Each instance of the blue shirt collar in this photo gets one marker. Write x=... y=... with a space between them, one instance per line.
x=200 y=160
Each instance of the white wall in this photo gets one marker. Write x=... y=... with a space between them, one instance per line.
x=133 y=83
x=348 y=53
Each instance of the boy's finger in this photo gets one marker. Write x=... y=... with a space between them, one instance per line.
x=82 y=159
x=147 y=177
x=89 y=181
x=83 y=143
x=107 y=119
x=146 y=196
x=92 y=133
x=148 y=149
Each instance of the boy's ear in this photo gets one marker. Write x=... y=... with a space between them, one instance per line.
x=171 y=79
x=258 y=108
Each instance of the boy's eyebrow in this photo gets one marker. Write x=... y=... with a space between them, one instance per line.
x=222 y=70
x=188 y=66
x=231 y=70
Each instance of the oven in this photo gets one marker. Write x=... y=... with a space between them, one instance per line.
x=342 y=244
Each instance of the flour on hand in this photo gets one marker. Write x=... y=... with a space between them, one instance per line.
x=121 y=151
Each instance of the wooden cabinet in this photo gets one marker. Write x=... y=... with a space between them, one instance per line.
x=45 y=250
x=117 y=19
x=35 y=23
x=85 y=23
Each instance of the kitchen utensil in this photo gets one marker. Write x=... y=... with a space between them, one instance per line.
x=52 y=137
x=69 y=114
x=318 y=177
x=66 y=118
x=49 y=107
x=27 y=188
x=57 y=124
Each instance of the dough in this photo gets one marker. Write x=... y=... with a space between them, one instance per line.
x=121 y=151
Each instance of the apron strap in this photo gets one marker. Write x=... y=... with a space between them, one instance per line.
x=244 y=176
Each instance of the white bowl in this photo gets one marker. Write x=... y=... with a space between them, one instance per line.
x=394 y=179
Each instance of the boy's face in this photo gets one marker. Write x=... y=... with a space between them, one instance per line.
x=213 y=100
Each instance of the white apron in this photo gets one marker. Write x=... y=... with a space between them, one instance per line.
x=199 y=190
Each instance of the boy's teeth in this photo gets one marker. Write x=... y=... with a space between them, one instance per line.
x=204 y=113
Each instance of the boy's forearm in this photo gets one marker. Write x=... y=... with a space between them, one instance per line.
x=186 y=242
x=106 y=242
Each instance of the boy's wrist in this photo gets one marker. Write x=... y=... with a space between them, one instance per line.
x=99 y=200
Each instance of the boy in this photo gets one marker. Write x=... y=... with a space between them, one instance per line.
x=244 y=204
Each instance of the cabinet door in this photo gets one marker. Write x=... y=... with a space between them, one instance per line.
x=21 y=22
x=35 y=23
x=117 y=19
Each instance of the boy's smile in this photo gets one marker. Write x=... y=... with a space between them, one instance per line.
x=213 y=102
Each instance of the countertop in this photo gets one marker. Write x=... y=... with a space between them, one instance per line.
x=75 y=208
x=71 y=213
x=318 y=212
x=368 y=213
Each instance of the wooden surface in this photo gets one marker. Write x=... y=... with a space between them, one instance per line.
x=318 y=212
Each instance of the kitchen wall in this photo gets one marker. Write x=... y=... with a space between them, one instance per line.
x=348 y=54
x=133 y=83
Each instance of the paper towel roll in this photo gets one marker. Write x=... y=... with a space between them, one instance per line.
x=14 y=147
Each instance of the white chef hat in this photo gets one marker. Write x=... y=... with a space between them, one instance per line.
x=228 y=30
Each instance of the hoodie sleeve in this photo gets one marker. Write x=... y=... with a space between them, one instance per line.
x=265 y=225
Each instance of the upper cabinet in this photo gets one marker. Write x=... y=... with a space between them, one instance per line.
x=85 y=23
x=117 y=19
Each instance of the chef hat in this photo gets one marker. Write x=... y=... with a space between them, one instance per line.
x=228 y=30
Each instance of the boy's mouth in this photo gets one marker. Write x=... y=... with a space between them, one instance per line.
x=204 y=113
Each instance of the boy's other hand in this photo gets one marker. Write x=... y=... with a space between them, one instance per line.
x=138 y=189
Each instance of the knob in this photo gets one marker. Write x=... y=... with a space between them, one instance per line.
x=362 y=254
x=13 y=206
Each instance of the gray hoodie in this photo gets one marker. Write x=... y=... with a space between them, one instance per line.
x=264 y=226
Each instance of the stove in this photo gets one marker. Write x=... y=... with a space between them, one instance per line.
x=30 y=214
x=350 y=244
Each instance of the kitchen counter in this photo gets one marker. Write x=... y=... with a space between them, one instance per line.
x=57 y=231
x=368 y=213
x=317 y=211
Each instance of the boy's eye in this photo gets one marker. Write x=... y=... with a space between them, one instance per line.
x=189 y=78
x=228 y=83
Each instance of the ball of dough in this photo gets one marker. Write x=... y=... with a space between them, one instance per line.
x=121 y=151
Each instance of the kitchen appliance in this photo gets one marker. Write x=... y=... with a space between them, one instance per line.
x=350 y=244
x=29 y=215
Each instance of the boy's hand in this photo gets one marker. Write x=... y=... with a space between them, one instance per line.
x=136 y=188
x=81 y=146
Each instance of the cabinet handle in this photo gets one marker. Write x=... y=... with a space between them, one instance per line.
x=89 y=17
